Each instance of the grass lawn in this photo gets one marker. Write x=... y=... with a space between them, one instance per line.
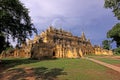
x=57 y=69
x=107 y=59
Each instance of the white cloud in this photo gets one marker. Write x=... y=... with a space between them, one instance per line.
x=66 y=8
x=73 y=15
x=69 y=9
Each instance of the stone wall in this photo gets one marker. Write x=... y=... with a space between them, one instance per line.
x=57 y=43
x=101 y=51
x=65 y=44
x=42 y=50
x=16 y=53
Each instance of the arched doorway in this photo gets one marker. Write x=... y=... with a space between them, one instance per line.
x=54 y=53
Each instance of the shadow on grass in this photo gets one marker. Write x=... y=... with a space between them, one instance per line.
x=41 y=73
x=9 y=63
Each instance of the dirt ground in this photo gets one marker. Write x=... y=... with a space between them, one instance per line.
x=25 y=74
x=117 y=65
x=113 y=73
x=111 y=57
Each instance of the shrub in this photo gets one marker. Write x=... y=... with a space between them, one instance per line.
x=117 y=50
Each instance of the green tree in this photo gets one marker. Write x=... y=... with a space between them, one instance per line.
x=2 y=43
x=117 y=50
x=114 y=33
x=106 y=44
x=15 y=21
x=114 y=5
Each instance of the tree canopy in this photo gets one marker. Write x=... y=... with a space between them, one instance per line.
x=15 y=20
x=106 y=44
x=2 y=43
x=114 y=33
x=114 y=5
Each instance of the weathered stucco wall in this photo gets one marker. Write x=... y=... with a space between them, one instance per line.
x=57 y=43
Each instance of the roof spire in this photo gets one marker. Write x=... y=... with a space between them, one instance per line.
x=83 y=36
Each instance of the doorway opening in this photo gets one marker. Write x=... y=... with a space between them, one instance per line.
x=53 y=53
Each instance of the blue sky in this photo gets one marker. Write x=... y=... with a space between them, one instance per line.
x=77 y=16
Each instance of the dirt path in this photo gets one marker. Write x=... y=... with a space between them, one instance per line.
x=105 y=64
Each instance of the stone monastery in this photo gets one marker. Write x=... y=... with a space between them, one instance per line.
x=59 y=44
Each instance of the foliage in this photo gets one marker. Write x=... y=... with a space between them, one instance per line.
x=117 y=50
x=114 y=33
x=3 y=44
x=106 y=44
x=114 y=5
x=15 y=21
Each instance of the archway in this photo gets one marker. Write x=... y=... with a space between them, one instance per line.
x=54 y=53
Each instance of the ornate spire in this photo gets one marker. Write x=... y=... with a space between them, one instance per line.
x=83 y=36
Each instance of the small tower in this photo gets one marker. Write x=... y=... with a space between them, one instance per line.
x=83 y=36
x=50 y=28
